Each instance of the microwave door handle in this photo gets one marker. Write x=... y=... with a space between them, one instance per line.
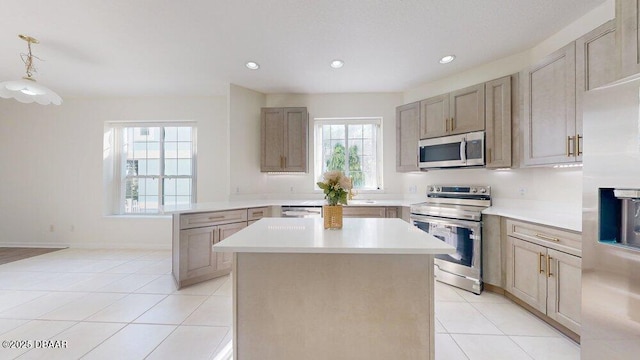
x=463 y=150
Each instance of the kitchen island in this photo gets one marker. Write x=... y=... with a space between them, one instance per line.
x=363 y=292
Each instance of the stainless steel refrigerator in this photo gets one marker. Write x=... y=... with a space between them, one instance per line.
x=611 y=223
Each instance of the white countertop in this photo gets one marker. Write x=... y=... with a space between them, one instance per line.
x=243 y=204
x=357 y=236
x=540 y=212
x=544 y=213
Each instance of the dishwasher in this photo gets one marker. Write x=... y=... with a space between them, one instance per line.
x=302 y=211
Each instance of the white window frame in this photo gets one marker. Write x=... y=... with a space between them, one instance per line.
x=317 y=163
x=119 y=177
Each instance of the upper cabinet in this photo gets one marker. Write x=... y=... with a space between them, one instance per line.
x=407 y=125
x=284 y=139
x=627 y=36
x=458 y=112
x=498 y=122
x=553 y=95
x=549 y=123
x=434 y=116
x=467 y=110
x=595 y=66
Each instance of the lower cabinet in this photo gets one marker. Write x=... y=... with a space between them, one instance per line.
x=547 y=279
x=195 y=248
x=364 y=212
x=392 y=212
x=193 y=238
x=564 y=286
x=225 y=260
x=198 y=261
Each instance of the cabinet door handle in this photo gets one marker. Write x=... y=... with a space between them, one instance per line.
x=578 y=151
x=446 y=125
x=569 y=139
x=549 y=266
x=453 y=123
x=285 y=162
x=545 y=237
x=281 y=161
x=488 y=155
x=540 y=257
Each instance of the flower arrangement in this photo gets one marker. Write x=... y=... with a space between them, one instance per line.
x=336 y=187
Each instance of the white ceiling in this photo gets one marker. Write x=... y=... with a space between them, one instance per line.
x=197 y=47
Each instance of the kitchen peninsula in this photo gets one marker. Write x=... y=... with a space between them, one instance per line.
x=363 y=292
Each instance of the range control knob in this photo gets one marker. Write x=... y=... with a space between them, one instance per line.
x=431 y=189
x=483 y=190
x=474 y=190
x=438 y=189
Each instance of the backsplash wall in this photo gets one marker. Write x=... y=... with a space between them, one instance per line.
x=560 y=186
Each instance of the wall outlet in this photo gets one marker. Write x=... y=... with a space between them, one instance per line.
x=413 y=189
x=237 y=189
x=291 y=189
x=522 y=191
x=51 y=228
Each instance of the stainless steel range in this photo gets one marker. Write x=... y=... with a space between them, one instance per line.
x=453 y=215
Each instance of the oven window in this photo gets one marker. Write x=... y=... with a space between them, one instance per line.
x=459 y=237
x=440 y=152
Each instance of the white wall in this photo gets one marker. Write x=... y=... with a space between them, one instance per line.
x=562 y=186
x=247 y=180
x=244 y=139
x=516 y=62
x=51 y=169
x=51 y=157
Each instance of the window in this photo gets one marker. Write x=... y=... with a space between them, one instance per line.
x=155 y=165
x=353 y=146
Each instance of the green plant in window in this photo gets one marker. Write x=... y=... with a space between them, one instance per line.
x=355 y=168
x=337 y=163
x=132 y=185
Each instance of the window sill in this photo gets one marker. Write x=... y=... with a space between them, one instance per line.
x=141 y=216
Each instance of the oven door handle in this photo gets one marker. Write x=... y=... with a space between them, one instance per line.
x=460 y=223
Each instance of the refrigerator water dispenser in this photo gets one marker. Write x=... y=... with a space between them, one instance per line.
x=620 y=217
x=630 y=221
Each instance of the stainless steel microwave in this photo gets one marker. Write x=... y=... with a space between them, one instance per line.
x=452 y=151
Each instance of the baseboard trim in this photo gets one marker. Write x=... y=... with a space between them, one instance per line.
x=34 y=245
x=91 y=246
x=570 y=334
x=494 y=289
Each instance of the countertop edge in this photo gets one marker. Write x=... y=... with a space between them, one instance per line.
x=559 y=220
x=367 y=251
x=234 y=205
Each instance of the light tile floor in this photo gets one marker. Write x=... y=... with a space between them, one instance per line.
x=122 y=304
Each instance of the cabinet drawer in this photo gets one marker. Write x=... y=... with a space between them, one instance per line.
x=257 y=213
x=364 y=211
x=554 y=238
x=212 y=218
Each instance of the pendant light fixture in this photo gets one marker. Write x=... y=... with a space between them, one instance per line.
x=27 y=90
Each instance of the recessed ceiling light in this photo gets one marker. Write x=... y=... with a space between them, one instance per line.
x=252 y=65
x=447 y=59
x=337 y=64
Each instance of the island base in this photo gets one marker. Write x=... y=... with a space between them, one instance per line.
x=333 y=306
